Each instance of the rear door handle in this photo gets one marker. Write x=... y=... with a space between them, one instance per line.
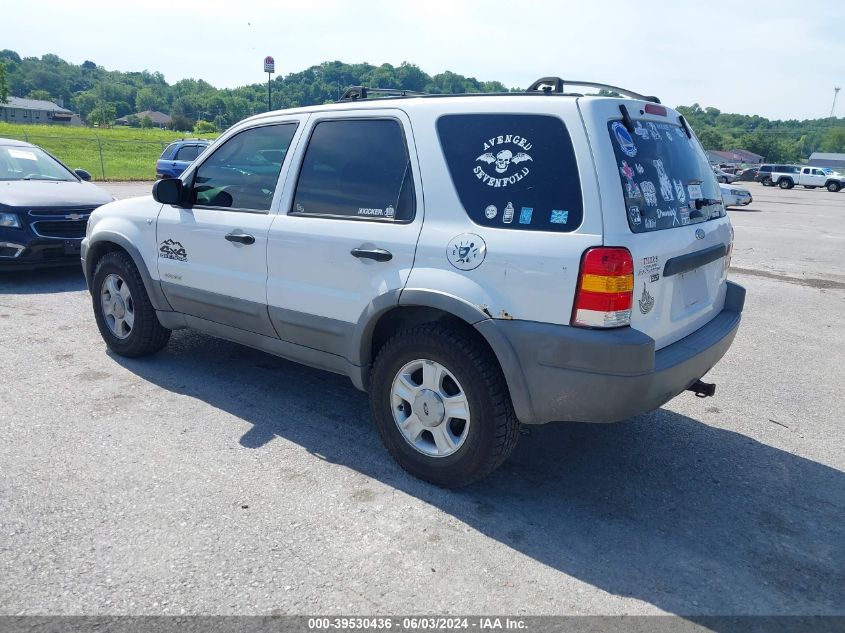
x=241 y=238
x=378 y=254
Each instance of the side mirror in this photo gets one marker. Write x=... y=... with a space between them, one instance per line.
x=168 y=191
x=82 y=174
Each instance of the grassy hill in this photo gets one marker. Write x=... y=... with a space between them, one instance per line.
x=127 y=153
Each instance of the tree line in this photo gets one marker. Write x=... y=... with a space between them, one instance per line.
x=100 y=96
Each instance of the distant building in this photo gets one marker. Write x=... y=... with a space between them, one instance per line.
x=820 y=159
x=749 y=158
x=18 y=110
x=159 y=119
x=733 y=157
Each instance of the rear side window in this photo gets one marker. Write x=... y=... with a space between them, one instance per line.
x=187 y=152
x=168 y=151
x=513 y=171
x=358 y=170
x=666 y=178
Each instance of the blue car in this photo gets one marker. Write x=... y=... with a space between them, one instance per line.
x=178 y=155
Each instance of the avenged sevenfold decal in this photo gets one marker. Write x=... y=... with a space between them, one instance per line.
x=503 y=154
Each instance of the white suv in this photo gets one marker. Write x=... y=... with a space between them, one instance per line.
x=474 y=262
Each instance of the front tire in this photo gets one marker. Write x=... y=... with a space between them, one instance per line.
x=766 y=182
x=785 y=183
x=125 y=316
x=833 y=187
x=441 y=405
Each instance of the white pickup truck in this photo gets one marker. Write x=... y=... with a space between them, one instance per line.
x=808 y=177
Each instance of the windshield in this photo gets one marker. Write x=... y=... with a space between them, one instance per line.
x=666 y=179
x=30 y=163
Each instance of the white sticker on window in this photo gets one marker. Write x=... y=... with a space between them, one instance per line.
x=510 y=151
x=23 y=154
x=695 y=192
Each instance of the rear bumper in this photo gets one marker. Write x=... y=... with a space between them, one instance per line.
x=557 y=372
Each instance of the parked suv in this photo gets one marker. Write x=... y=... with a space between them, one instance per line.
x=44 y=207
x=178 y=155
x=473 y=262
x=764 y=173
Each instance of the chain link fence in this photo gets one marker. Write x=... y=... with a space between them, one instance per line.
x=103 y=157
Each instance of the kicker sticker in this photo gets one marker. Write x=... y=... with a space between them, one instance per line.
x=171 y=249
x=466 y=251
x=626 y=142
x=503 y=156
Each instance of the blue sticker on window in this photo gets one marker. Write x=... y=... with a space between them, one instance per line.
x=525 y=215
x=626 y=142
x=559 y=217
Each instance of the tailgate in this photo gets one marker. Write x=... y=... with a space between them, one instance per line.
x=661 y=201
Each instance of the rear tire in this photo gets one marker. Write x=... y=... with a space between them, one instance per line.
x=439 y=366
x=722 y=180
x=125 y=316
x=833 y=187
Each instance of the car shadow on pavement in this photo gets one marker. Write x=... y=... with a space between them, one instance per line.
x=41 y=281
x=691 y=518
x=745 y=210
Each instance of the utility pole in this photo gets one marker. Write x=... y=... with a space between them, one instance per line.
x=835 y=94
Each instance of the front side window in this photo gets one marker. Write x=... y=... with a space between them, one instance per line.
x=513 y=171
x=356 y=169
x=666 y=179
x=244 y=171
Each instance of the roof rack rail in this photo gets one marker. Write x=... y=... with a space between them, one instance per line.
x=354 y=93
x=549 y=85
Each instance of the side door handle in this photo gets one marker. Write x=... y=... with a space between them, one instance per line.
x=378 y=254
x=241 y=238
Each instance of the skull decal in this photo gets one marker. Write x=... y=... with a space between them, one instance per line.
x=503 y=153
x=503 y=159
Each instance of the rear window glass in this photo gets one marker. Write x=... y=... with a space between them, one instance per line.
x=513 y=171
x=666 y=179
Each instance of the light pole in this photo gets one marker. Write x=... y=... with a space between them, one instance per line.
x=835 y=94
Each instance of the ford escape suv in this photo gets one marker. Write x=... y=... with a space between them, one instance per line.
x=472 y=262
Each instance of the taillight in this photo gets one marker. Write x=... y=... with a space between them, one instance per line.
x=605 y=288
x=652 y=108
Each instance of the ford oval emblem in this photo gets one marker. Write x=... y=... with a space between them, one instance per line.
x=699 y=234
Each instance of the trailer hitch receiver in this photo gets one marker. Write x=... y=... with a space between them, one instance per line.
x=702 y=389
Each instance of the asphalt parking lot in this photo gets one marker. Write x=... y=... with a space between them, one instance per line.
x=215 y=479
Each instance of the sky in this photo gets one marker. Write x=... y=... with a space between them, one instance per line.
x=779 y=59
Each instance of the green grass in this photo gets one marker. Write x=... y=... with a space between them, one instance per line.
x=127 y=153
